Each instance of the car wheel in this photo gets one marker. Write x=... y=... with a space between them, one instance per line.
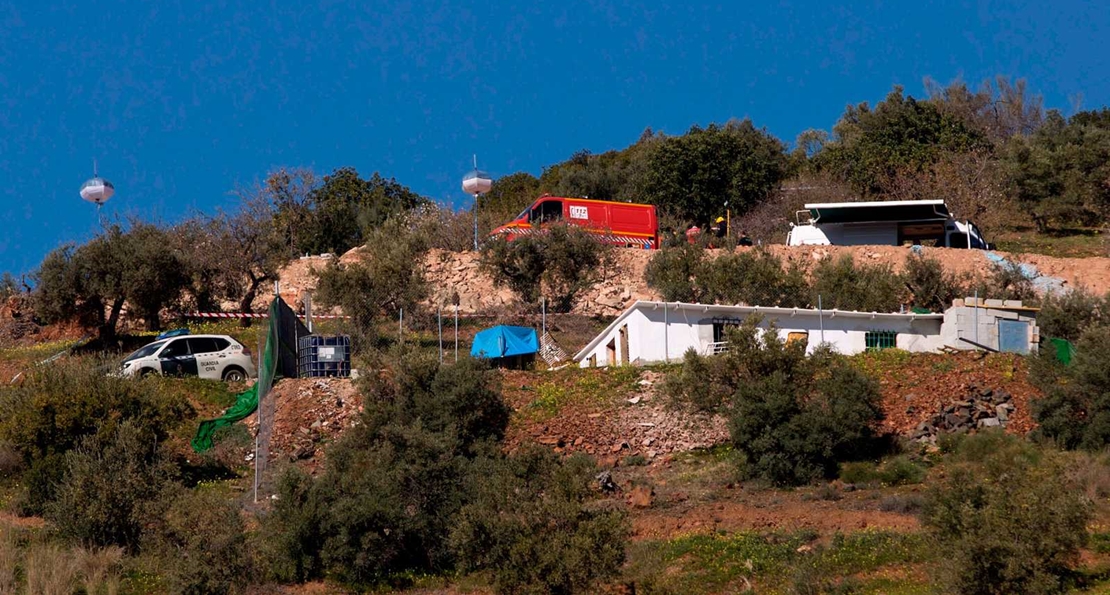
x=234 y=375
x=145 y=372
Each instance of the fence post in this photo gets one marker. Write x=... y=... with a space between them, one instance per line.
x=456 y=333
x=666 y=336
x=821 y=318
x=439 y=322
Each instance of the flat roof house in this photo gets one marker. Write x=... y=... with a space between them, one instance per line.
x=651 y=332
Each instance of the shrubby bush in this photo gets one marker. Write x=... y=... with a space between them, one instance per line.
x=1008 y=516
x=1066 y=314
x=793 y=418
x=930 y=286
x=108 y=480
x=796 y=428
x=200 y=540
x=558 y=263
x=1075 y=411
x=709 y=383
x=528 y=522
x=60 y=405
x=387 y=276
x=671 y=272
x=753 y=277
x=393 y=483
x=847 y=285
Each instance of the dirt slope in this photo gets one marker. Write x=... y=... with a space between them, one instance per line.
x=623 y=283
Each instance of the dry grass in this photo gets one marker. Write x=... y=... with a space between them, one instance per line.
x=50 y=570
x=9 y=559
x=100 y=570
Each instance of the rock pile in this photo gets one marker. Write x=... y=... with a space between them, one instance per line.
x=308 y=412
x=979 y=408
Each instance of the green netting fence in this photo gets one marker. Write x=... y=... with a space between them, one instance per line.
x=246 y=402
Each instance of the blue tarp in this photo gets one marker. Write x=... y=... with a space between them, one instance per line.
x=505 y=341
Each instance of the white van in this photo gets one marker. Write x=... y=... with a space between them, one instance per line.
x=890 y=223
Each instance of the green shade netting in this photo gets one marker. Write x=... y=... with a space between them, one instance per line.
x=246 y=402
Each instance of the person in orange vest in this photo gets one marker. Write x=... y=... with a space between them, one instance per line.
x=692 y=233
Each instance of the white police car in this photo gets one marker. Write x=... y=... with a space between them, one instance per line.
x=215 y=357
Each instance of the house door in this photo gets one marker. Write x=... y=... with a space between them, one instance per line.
x=611 y=353
x=1013 y=336
x=624 y=344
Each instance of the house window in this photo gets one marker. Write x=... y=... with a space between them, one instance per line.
x=875 y=340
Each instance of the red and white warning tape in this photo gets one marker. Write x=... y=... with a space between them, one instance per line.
x=253 y=315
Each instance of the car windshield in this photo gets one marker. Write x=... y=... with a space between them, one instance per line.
x=146 y=351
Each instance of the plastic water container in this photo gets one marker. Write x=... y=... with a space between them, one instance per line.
x=321 y=356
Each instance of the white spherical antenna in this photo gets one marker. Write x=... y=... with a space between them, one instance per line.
x=476 y=183
x=96 y=189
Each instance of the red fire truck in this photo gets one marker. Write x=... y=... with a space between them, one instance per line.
x=621 y=223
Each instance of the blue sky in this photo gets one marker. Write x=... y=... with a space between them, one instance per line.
x=180 y=102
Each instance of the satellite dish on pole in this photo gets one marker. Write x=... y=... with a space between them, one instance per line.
x=476 y=183
x=97 y=190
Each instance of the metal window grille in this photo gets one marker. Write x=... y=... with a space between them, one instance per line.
x=875 y=340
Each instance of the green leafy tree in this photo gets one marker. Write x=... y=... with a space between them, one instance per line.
x=508 y=196
x=336 y=214
x=694 y=176
x=558 y=263
x=94 y=281
x=871 y=146
x=1060 y=171
x=387 y=275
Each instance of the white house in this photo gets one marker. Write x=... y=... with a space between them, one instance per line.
x=649 y=332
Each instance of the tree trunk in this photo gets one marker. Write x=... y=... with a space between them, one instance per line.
x=153 y=321
x=247 y=302
x=107 y=331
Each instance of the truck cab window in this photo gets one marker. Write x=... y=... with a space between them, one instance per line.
x=549 y=210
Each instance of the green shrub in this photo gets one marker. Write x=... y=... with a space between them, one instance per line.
x=558 y=263
x=846 y=285
x=754 y=277
x=387 y=276
x=796 y=427
x=671 y=272
x=1009 y=518
x=200 y=540
x=1075 y=411
x=107 y=481
x=1065 y=315
x=709 y=383
x=929 y=285
x=58 y=405
x=529 y=521
x=393 y=483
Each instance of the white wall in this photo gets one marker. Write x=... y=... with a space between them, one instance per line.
x=686 y=329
